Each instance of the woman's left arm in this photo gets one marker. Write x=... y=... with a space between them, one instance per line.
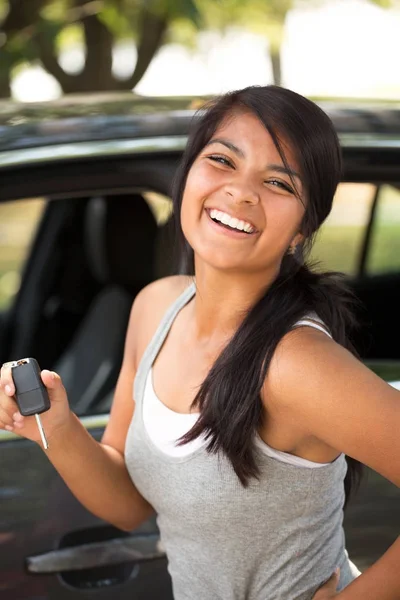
x=335 y=398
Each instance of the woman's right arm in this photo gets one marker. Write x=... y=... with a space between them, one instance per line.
x=95 y=472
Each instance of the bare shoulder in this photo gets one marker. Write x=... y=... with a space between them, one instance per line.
x=156 y=297
x=149 y=307
x=309 y=370
x=334 y=397
x=304 y=350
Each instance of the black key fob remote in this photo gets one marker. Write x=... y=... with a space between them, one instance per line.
x=30 y=392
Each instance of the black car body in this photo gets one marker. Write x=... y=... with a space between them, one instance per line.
x=97 y=165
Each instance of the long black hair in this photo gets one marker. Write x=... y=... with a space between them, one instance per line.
x=229 y=398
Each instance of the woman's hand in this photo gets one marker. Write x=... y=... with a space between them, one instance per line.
x=328 y=590
x=53 y=420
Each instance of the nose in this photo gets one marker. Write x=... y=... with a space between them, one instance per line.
x=242 y=193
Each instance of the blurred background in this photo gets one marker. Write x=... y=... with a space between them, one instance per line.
x=345 y=48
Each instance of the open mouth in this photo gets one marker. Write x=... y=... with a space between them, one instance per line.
x=229 y=223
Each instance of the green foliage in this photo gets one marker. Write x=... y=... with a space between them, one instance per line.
x=3 y=9
x=69 y=35
x=55 y=10
x=385 y=3
x=36 y=30
x=118 y=21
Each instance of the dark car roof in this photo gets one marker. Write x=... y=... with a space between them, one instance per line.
x=79 y=119
x=91 y=117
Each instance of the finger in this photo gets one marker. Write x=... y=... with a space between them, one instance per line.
x=54 y=385
x=7 y=382
x=19 y=421
x=6 y=418
x=18 y=418
x=6 y=427
x=332 y=582
x=7 y=408
x=51 y=380
x=12 y=430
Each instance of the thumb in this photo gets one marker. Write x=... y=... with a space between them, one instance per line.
x=333 y=581
x=54 y=385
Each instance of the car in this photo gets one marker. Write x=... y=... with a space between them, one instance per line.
x=85 y=223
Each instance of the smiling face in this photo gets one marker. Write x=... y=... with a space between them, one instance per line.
x=239 y=208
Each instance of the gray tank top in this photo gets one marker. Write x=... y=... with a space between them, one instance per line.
x=278 y=539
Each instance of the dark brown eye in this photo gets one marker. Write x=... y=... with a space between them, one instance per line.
x=281 y=185
x=220 y=159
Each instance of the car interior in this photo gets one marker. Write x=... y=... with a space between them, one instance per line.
x=104 y=250
x=378 y=288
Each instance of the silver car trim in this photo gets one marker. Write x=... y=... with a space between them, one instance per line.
x=367 y=140
x=70 y=151
x=89 y=422
x=57 y=152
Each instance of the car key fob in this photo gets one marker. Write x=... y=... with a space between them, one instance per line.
x=30 y=392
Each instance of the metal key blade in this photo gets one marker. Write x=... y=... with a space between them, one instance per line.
x=41 y=431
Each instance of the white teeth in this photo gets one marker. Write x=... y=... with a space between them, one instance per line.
x=225 y=219
x=231 y=221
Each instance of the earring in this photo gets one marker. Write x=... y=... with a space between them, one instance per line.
x=292 y=250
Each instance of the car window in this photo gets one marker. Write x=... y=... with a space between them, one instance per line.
x=384 y=252
x=19 y=221
x=338 y=243
x=160 y=205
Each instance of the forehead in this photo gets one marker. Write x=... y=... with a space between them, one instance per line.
x=247 y=131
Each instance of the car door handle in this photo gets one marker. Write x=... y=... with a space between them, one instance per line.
x=97 y=554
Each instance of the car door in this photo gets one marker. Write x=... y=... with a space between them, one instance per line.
x=50 y=546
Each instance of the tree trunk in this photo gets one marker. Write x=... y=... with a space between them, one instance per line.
x=48 y=57
x=21 y=14
x=275 y=54
x=97 y=74
x=5 y=82
x=152 y=31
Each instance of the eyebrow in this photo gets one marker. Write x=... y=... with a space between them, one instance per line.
x=277 y=168
x=282 y=169
x=229 y=145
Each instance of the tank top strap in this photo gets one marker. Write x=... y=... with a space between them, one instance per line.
x=157 y=341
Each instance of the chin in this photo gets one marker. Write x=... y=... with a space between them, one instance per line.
x=218 y=259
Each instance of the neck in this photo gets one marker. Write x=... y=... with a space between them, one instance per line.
x=223 y=299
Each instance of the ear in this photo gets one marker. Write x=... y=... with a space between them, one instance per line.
x=298 y=239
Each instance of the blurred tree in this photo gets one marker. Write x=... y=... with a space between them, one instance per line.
x=31 y=31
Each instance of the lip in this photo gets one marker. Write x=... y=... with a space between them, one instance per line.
x=236 y=233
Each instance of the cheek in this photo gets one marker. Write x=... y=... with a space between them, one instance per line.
x=189 y=213
x=185 y=215
x=193 y=198
x=283 y=221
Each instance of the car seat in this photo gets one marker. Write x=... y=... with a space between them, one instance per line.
x=120 y=232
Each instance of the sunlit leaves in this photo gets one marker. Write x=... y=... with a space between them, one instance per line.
x=147 y=23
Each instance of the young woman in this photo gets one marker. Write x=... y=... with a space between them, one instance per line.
x=250 y=410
